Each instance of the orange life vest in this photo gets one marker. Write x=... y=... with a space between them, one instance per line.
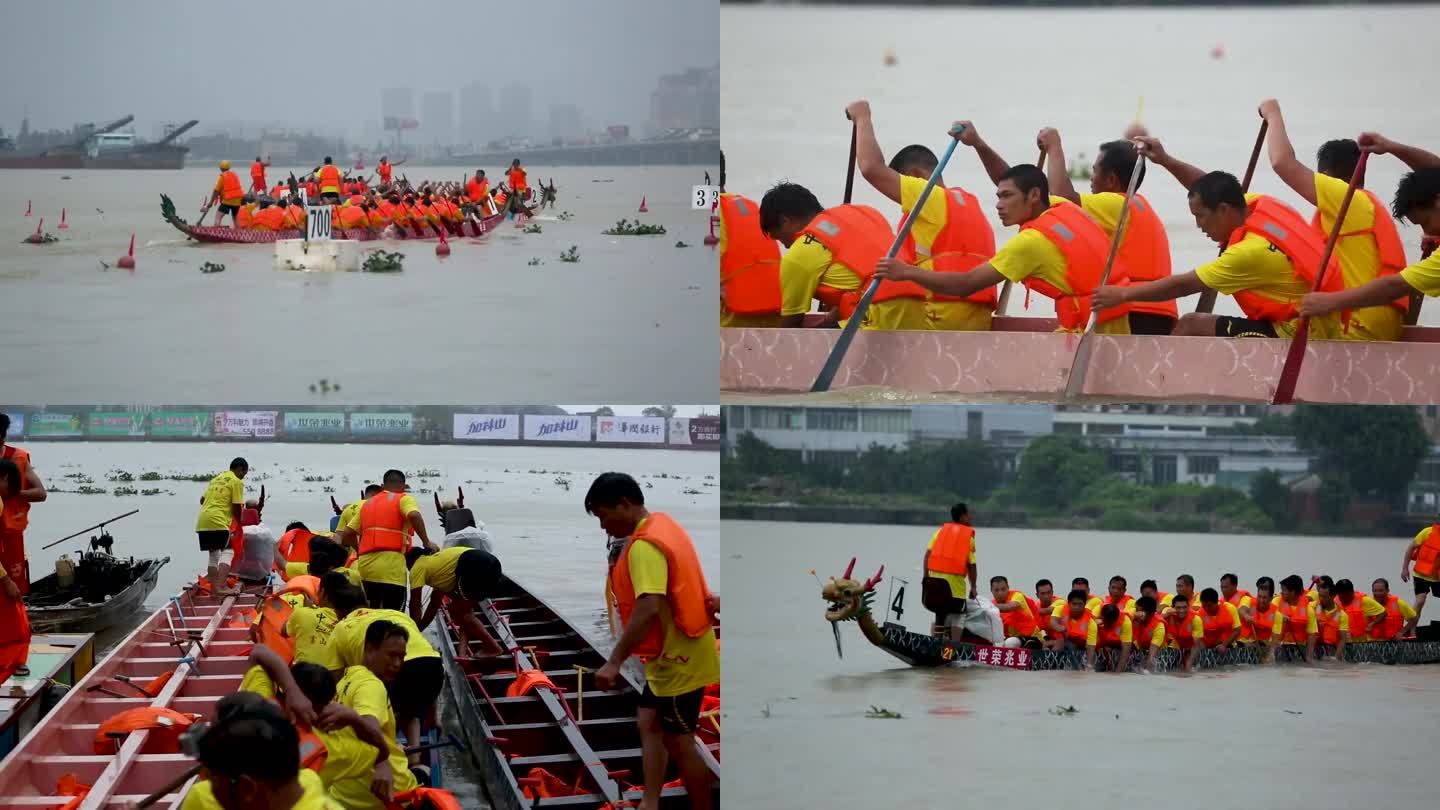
x=1427 y=556
x=475 y=190
x=297 y=216
x=1142 y=635
x=329 y=179
x=1245 y=632
x=1145 y=255
x=313 y=751
x=750 y=264
x=1078 y=630
x=857 y=236
x=1016 y=622
x=1295 y=627
x=277 y=190
x=383 y=526
x=165 y=726
x=686 y=590
x=1329 y=622
x=1083 y=244
x=272 y=218
x=1387 y=243
x=1045 y=614
x=230 y=191
x=353 y=216
x=1218 y=626
x=1359 y=622
x=1261 y=625
x=1181 y=631
x=966 y=242
x=951 y=552
x=246 y=216
x=1393 y=622
x=17 y=509
x=276 y=611
x=383 y=169
x=294 y=545
x=1110 y=636
x=528 y=681
x=424 y=798
x=1126 y=604
x=377 y=218
x=257 y=174
x=1283 y=227
x=517 y=181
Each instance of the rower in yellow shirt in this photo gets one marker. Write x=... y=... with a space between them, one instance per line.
x=1184 y=586
x=1092 y=603
x=460 y=576
x=1295 y=621
x=1363 y=611
x=1425 y=554
x=326 y=555
x=950 y=559
x=1399 y=620
x=1115 y=632
x=250 y=758
x=382 y=527
x=1334 y=623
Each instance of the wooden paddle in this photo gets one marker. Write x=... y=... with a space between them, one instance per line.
x=1075 y=383
x=847 y=335
x=850 y=170
x=1005 y=288
x=1207 y=298
x=1285 y=389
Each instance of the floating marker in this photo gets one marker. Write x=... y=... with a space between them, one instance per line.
x=711 y=238
x=128 y=262
x=442 y=249
x=63 y=225
x=643 y=208
x=27 y=208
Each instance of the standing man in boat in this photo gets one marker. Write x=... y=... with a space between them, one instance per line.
x=14 y=623
x=15 y=517
x=383 y=527
x=667 y=613
x=950 y=234
x=229 y=194
x=1424 y=553
x=951 y=576
x=384 y=169
x=220 y=508
x=257 y=175
x=1270 y=260
x=329 y=178
x=519 y=185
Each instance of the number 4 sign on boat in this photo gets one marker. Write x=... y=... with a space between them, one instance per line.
x=702 y=197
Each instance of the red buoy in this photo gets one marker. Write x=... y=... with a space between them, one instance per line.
x=63 y=225
x=36 y=238
x=643 y=209
x=442 y=249
x=711 y=238
x=27 y=208
x=128 y=262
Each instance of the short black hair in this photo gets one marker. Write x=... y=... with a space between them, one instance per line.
x=1231 y=578
x=999 y=580
x=1042 y=583
x=1418 y=189
x=10 y=471
x=1145 y=603
x=344 y=595
x=1215 y=188
x=1119 y=158
x=1080 y=581
x=1265 y=584
x=1119 y=579
x=1151 y=584
x=315 y=682
x=1109 y=613
x=1179 y=597
x=394 y=476
x=1027 y=178
x=238 y=463
x=609 y=488
x=372 y=490
x=4 y=424
x=1327 y=583
x=1292 y=583
x=256 y=741
x=380 y=630
x=1344 y=588
x=1209 y=595
x=787 y=200
x=914 y=156
x=1187 y=579
x=1076 y=594
x=295 y=524
x=1381 y=579
x=477 y=573
x=958 y=511
x=325 y=556
x=327 y=158
x=1337 y=158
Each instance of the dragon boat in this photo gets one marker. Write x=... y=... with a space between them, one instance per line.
x=850 y=600
x=226 y=234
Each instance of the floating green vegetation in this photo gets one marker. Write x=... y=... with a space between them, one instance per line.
x=156 y=492
x=317 y=479
x=197 y=477
x=122 y=491
x=151 y=476
x=119 y=475
x=681 y=244
x=565 y=216
x=212 y=267
x=1064 y=711
x=427 y=473
x=627 y=228
x=533 y=227
x=882 y=713
x=535 y=262
x=382 y=262
x=89 y=490
x=80 y=478
x=572 y=255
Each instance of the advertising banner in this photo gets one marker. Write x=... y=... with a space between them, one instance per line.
x=704 y=430
x=258 y=424
x=180 y=423
x=17 y=425
x=381 y=424
x=679 y=430
x=55 y=424
x=314 y=423
x=630 y=429
x=481 y=427
x=115 y=424
x=557 y=428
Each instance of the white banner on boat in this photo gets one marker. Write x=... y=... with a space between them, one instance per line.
x=317 y=219
x=259 y=424
x=630 y=429
x=481 y=427
x=557 y=428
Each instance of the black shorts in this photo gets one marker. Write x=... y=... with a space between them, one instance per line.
x=679 y=714
x=214 y=540
x=1148 y=323
x=330 y=196
x=384 y=595
x=417 y=687
x=477 y=571
x=1229 y=326
x=229 y=209
x=1429 y=586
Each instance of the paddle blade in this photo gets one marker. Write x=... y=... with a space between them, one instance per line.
x=1075 y=385
x=836 y=628
x=1285 y=388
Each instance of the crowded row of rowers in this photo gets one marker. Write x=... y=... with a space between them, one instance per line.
x=1330 y=612
x=948 y=274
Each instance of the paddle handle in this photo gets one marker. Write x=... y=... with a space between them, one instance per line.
x=1006 y=287
x=850 y=170
x=1207 y=298
x=170 y=787
x=847 y=335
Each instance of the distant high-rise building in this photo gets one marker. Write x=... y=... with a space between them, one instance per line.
x=397 y=102
x=686 y=100
x=477 y=117
x=437 y=118
x=514 y=119
x=565 y=121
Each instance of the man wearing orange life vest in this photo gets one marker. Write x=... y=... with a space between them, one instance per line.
x=1148 y=630
x=15 y=516
x=384 y=170
x=830 y=256
x=1271 y=258
x=1184 y=630
x=1117 y=595
x=1049 y=605
x=1144 y=247
x=1115 y=632
x=950 y=234
x=1334 y=623
x=229 y=194
x=1295 y=620
x=667 y=613
x=329 y=182
x=1369 y=246
x=1059 y=252
x=270 y=217
x=1424 y=552
x=257 y=175
x=1399 y=619
x=518 y=185
x=1243 y=601
x=477 y=188
x=1019 y=613
x=1151 y=589
x=14 y=622
x=1077 y=626
x=1363 y=611
x=1258 y=615
x=382 y=526
x=1220 y=622
x=1092 y=602
x=1184 y=586
x=749 y=267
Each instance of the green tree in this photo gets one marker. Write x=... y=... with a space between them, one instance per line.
x=1374 y=449
x=1273 y=497
x=604 y=410
x=1056 y=469
x=666 y=411
x=756 y=457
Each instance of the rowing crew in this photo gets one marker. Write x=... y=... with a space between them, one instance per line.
x=946 y=273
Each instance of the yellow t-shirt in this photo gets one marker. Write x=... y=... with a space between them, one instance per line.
x=807 y=263
x=1278 y=625
x=348 y=514
x=684 y=663
x=959 y=587
x=1157 y=636
x=1424 y=534
x=296 y=569
x=202 y=797
x=949 y=315
x=224 y=490
x=347 y=639
x=1030 y=253
x=310 y=628
x=386 y=567
x=258 y=681
x=1255 y=265
x=1424 y=277
x=1359 y=257
x=1019 y=599
x=437 y=570
x=362 y=691
x=1096 y=604
x=1127 y=629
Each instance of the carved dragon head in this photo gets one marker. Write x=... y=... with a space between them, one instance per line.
x=849 y=600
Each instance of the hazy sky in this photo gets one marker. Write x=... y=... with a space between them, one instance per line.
x=71 y=61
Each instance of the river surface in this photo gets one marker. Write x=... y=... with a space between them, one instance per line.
x=538 y=527
x=788 y=72
x=1275 y=738
x=482 y=324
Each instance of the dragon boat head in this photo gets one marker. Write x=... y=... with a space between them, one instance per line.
x=849 y=599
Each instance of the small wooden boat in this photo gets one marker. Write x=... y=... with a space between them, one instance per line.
x=106 y=590
x=593 y=749
x=226 y=234
x=1024 y=359
x=57 y=662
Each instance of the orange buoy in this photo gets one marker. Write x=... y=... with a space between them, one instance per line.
x=128 y=262
x=643 y=209
x=63 y=224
